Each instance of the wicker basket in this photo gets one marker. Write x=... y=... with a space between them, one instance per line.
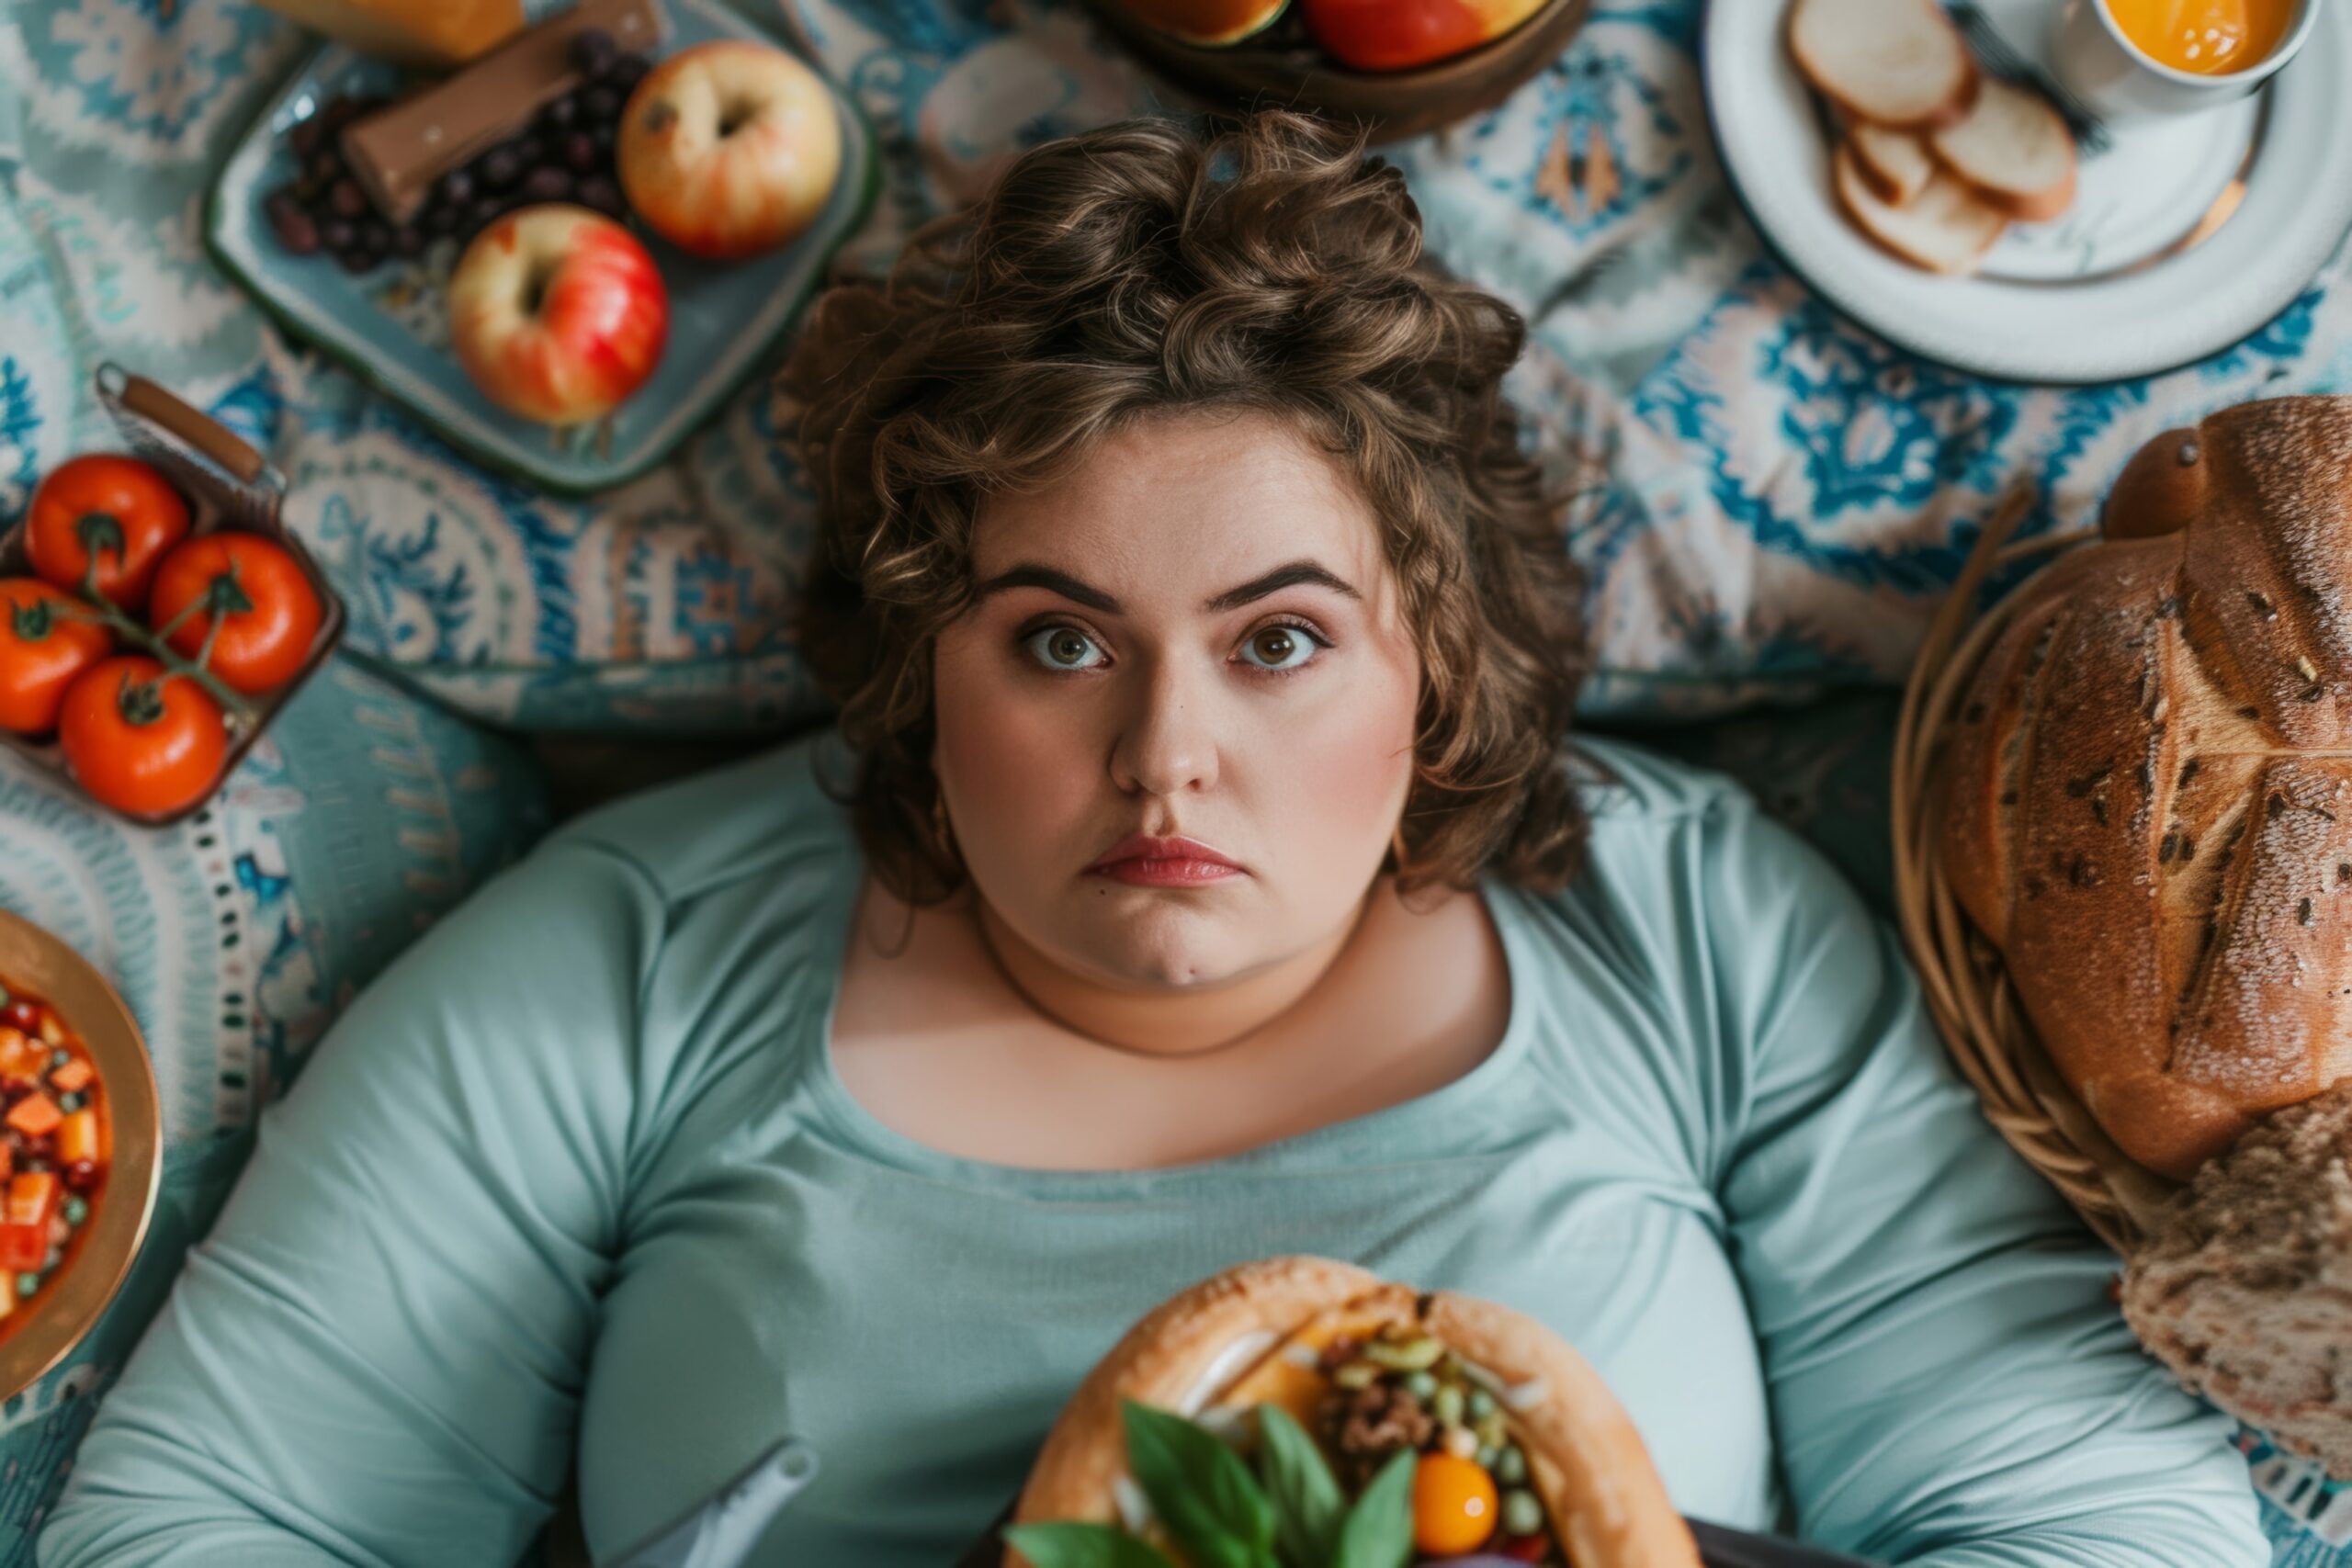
x=1967 y=989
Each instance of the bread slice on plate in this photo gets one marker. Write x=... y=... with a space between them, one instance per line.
x=1945 y=227
x=1896 y=162
x=2015 y=150
x=1899 y=63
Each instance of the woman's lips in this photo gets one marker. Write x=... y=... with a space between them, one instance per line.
x=1141 y=860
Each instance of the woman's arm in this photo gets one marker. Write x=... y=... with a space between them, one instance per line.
x=377 y=1355
x=1951 y=1383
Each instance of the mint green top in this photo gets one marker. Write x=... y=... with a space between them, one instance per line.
x=576 y=1180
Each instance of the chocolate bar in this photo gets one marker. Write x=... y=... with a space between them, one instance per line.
x=397 y=153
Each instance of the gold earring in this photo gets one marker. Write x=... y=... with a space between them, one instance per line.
x=940 y=828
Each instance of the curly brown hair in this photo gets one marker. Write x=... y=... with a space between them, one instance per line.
x=1264 y=265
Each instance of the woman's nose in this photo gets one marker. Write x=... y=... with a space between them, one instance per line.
x=1168 y=741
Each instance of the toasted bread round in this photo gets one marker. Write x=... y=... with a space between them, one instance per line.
x=1943 y=228
x=1895 y=163
x=1242 y=1330
x=1899 y=63
x=2014 y=150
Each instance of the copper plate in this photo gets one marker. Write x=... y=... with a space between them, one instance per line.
x=55 y=1323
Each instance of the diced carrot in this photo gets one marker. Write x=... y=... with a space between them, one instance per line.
x=32 y=1195
x=35 y=1115
x=73 y=1077
x=77 y=1136
x=52 y=1030
x=7 y=1161
x=23 y=1248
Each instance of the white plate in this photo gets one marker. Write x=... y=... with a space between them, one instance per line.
x=2091 y=296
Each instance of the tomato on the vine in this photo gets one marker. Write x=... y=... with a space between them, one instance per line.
x=45 y=642
x=101 y=522
x=267 y=612
x=141 y=739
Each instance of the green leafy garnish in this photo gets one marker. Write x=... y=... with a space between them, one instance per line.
x=1200 y=1489
x=1308 y=1506
x=1379 y=1530
x=1083 y=1546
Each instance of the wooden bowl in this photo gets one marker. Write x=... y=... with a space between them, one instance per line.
x=99 y=1260
x=1282 y=67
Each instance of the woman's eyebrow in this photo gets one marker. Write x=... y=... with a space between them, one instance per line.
x=1029 y=574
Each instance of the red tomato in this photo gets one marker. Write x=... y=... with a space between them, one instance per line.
x=140 y=739
x=101 y=522
x=267 y=612
x=43 y=646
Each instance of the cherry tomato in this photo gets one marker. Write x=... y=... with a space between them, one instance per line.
x=1454 y=1504
x=140 y=739
x=103 y=522
x=267 y=612
x=44 y=644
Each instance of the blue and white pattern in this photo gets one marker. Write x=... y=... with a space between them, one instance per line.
x=1768 y=501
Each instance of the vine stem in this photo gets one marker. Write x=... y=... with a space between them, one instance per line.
x=96 y=607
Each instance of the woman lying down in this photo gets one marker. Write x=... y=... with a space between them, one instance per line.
x=1199 y=870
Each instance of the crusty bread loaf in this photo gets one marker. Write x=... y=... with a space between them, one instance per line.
x=2148 y=786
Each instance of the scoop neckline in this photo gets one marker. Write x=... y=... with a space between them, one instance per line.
x=1389 y=1127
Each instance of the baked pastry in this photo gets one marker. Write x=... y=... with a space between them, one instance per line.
x=2148 y=786
x=1497 y=1440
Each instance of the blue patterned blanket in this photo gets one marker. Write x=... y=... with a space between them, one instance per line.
x=1771 y=499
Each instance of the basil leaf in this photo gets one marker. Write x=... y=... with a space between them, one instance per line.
x=1200 y=1489
x=1308 y=1503
x=1379 y=1530
x=1083 y=1546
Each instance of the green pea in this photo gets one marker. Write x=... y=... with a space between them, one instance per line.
x=1446 y=1405
x=76 y=1210
x=1510 y=1466
x=69 y=1103
x=1523 y=1515
x=1482 y=1403
x=60 y=1056
x=1486 y=1455
x=56 y=1256
x=1420 y=1385
x=27 y=1284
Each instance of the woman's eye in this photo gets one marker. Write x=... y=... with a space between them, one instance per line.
x=1063 y=648
x=1280 y=648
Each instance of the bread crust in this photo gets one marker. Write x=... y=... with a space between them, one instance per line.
x=1950 y=110
x=2144 y=815
x=1587 y=1459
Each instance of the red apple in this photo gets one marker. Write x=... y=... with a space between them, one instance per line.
x=730 y=148
x=558 y=313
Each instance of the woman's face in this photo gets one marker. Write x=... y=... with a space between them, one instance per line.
x=1195 y=633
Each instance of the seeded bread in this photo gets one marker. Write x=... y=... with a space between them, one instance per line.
x=2148 y=786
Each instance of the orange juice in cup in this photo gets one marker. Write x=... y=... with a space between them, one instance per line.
x=2130 y=59
x=2207 y=36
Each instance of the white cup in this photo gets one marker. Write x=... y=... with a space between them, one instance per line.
x=2114 y=79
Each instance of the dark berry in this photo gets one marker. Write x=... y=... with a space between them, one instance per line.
x=81 y=1176
x=22 y=1016
x=531 y=149
x=439 y=220
x=548 y=184
x=458 y=187
x=304 y=138
x=593 y=50
x=296 y=230
x=603 y=137
x=408 y=240
x=602 y=102
x=602 y=194
x=359 y=258
x=374 y=236
x=348 y=199
x=501 y=167
x=628 y=71
x=560 y=115
x=481 y=214
x=338 y=233
x=580 y=152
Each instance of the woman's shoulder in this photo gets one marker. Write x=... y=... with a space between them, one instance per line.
x=752 y=818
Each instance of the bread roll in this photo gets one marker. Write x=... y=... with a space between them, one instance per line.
x=1252 y=1335
x=2148 y=786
